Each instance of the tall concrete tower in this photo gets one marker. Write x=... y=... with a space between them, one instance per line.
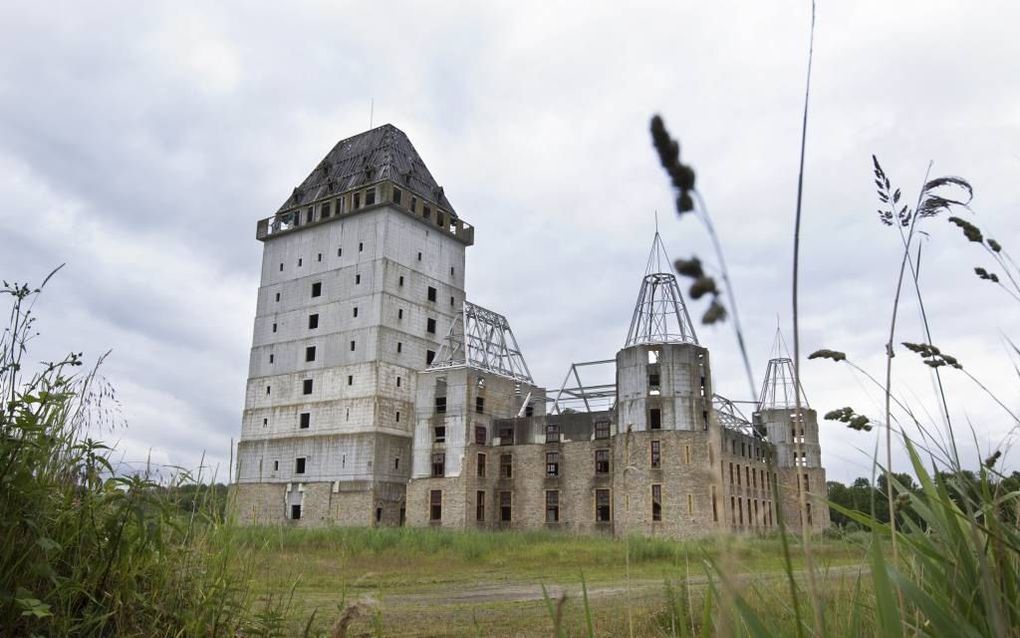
x=362 y=277
x=796 y=449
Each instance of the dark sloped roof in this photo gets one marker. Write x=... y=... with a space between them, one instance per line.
x=381 y=153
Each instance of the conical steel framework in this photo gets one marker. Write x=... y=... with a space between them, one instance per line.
x=481 y=338
x=777 y=391
x=660 y=315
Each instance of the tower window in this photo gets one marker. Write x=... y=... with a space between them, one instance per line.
x=552 y=432
x=506 y=466
x=436 y=505
x=655 y=419
x=414 y=204
x=313 y=322
x=299 y=262
x=357 y=279
x=361 y=246
x=357 y=201
x=350 y=379
x=277 y=296
x=432 y=293
x=317 y=289
x=400 y=347
x=295 y=512
x=480 y=466
x=305 y=420
x=480 y=435
x=339 y=252
x=352 y=346
x=505 y=506
x=603 y=510
x=299 y=465
x=552 y=506
x=656 y=502
x=355 y=312
x=310 y=353
x=419 y=256
x=397 y=195
x=602 y=461
x=318 y=257
x=438 y=464
x=451 y=271
x=440 y=405
x=602 y=429
x=656 y=454
x=274 y=327
x=401 y=281
x=400 y=313
x=439 y=434
x=327 y=210
x=268 y=388
x=429 y=356
x=398 y=382
x=430 y=326
x=552 y=463
x=281 y=266
x=271 y=358
x=480 y=505
x=306 y=386
x=369 y=197
x=480 y=405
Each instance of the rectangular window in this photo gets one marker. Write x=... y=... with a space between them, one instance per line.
x=400 y=347
x=310 y=353
x=552 y=432
x=690 y=503
x=274 y=327
x=603 y=511
x=439 y=434
x=505 y=505
x=306 y=420
x=327 y=210
x=656 y=502
x=430 y=326
x=427 y=212
x=352 y=346
x=295 y=512
x=805 y=484
x=480 y=405
x=355 y=312
x=300 y=261
x=313 y=322
x=271 y=358
x=506 y=466
x=308 y=216
x=401 y=280
x=656 y=454
x=397 y=195
x=715 y=507
x=278 y=296
x=481 y=466
x=687 y=454
x=350 y=379
x=357 y=201
x=299 y=465
x=438 y=464
x=429 y=356
x=369 y=197
x=506 y=435
x=480 y=505
x=602 y=461
x=357 y=279
x=655 y=419
x=480 y=435
x=653 y=383
x=529 y=411
x=436 y=505
x=414 y=203
x=317 y=289
x=552 y=463
x=400 y=313
x=552 y=506
x=602 y=429
x=306 y=386
x=432 y=293
x=440 y=405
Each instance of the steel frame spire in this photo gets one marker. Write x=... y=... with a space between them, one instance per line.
x=481 y=338
x=660 y=314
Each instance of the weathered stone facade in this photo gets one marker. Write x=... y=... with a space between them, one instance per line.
x=359 y=412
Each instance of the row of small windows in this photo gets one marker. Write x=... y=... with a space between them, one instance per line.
x=752 y=477
x=747 y=450
x=602 y=503
x=739 y=506
x=431 y=293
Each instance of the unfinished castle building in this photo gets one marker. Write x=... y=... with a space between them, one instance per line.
x=377 y=394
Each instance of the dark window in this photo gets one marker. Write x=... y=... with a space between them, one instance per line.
x=430 y=326
x=339 y=252
x=398 y=417
x=401 y=280
x=310 y=353
x=295 y=512
x=369 y=197
x=438 y=464
x=552 y=506
x=552 y=432
x=300 y=261
x=350 y=379
x=480 y=435
x=414 y=203
x=481 y=466
x=274 y=327
x=419 y=256
x=398 y=382
x=440 y=434
x=308 y=219
x=429 y=356
x=432 y=293
x=318 y=257
x=602 y=461
x=355 y=311
x=327 y=210
x=353 y=344
x=306 y=386
x=357 y=279
x=655 y=419
x=436 y=505
x=451 y=271
x=271 y=358
x=451 y=300
x=653 y=382
x=396 y=195
x=656 y=455
x=506 y=435
x=506 y=466
x=400 y=313
x=480 y=405
x=299 y=465
x=361 y=246
x=656 y=502
x=267 y=389
x=281 y=267
x=602 y=507
x=440 y=405
x=400 y=347
x=602 y=429
x=276 y=466
x=427 y=212
x=552 y=463
x=357 y=200
x=277 y=296
x=313 y=322
x=378 y=514
x=479 y=505
x=529 y=411
x=505 y=506
x=306 y=420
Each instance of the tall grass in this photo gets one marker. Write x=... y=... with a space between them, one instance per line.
x=86 y=551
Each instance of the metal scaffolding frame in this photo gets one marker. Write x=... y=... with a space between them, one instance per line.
x=660 y=315
x=730 y=417
x=595 y=397
x=777 y=391
x=481 y=338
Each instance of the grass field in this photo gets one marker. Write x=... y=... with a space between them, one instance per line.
x=431 y=582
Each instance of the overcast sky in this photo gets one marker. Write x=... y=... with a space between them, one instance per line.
x=141 y=142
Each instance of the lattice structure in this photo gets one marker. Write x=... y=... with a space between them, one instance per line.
x=593 y=393
x=481 y=338
x=778 y=390
x=660 y=315
x=729 y=415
